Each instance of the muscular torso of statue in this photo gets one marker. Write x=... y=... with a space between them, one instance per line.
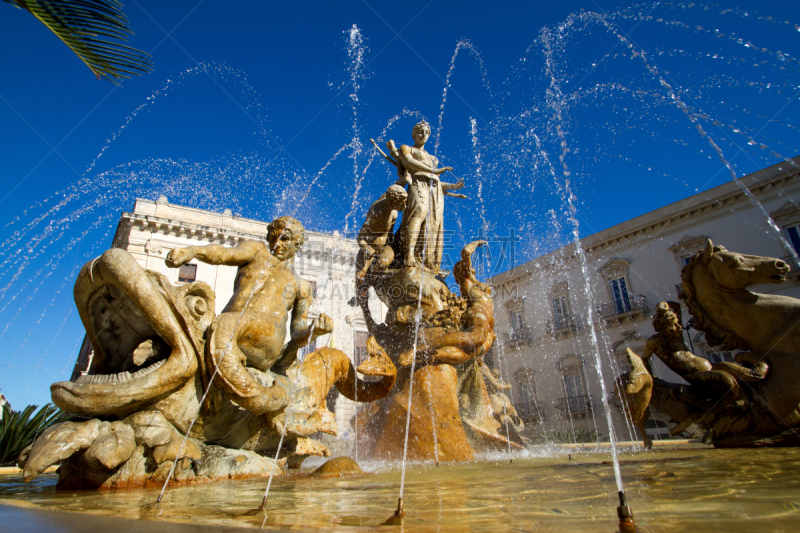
x=264 y=310
x=675 y=354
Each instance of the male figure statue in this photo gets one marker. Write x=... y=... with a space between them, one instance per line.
x=376 y=230
x=251 y=330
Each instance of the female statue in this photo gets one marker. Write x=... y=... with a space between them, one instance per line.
x=425 y=209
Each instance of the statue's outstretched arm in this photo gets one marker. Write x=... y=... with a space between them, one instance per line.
x=214 y=254
x=452 y=186
x=455 y=195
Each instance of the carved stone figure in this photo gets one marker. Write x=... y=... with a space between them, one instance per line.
x=423 y=221
x=635 y=388
x=250 y=331
x=669 y=346
x=501 y=403
x=453 y=414
x=376 y=233
x=763 y=408
x=443 y=336
x=446 y=345
x=171 y=388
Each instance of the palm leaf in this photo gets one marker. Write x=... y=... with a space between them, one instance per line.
x=93 y=30
x=18 y=429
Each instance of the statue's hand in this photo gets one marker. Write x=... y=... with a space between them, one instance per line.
x=443 y=170
x=179 y=256
x=322 y=325
x=459 y=184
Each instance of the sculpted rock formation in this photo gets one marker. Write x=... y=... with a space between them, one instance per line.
x=175 y=391
x=753 y=401
x=440 y=335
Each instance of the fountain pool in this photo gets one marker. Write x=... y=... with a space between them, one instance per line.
x=559 y=127
x=678 y=487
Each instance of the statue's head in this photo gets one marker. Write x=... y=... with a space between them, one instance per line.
x=421 y=131
x=396 y=196
x=285 y=235
x=668 y=319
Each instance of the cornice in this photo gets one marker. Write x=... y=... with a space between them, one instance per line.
x=695 y=210
x=316 y=246
x=673 y=218
x=786 y=214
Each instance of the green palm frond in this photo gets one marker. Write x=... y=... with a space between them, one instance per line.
x=93 y=30
x=18 y=429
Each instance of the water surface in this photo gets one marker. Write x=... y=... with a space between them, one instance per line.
x=680 y=489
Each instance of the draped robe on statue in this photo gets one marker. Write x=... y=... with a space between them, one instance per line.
x=425 y=199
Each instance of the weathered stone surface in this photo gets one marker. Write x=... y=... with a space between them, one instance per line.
x=156 y=349
x=338 y=467
x=454 y=333
x=220 y=463
x=114 y=445
x=58 y=443
x=752 y=401
x=434 y=408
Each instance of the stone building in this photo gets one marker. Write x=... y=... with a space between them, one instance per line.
x=152 y=229
x=545 y=348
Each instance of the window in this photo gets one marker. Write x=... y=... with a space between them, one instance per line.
x=360 y=346
x=313 y=289
x=619 y=292
x=560 y=312
x=574 y=385
x=576 y=402
x=793 y=232
x=187 y=273
x=516 y=321
x=688 y=247
x=615 y=272
x=527 y=392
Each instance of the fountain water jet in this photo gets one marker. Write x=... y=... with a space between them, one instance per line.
x=362 y=176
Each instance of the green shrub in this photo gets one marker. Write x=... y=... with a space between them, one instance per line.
x=18 y=429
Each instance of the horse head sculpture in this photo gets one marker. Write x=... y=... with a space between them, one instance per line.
x=735 y=271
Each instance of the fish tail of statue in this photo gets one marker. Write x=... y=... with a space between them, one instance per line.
x=226 y=359
x=339 y=372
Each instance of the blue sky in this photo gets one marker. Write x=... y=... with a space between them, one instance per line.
x=267 y=108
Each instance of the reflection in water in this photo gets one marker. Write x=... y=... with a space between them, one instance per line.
x=697 y=489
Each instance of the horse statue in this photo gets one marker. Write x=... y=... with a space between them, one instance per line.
x=764 y=408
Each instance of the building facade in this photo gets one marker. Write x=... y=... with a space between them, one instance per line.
x=549 y=341
x=154 y=228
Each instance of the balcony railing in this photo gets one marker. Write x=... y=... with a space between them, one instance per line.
x=531 y=411
x=575 y=406
x=564 y=325
x=635 y=304
x=518 y=336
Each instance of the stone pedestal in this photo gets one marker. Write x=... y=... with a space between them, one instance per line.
x=434 y=408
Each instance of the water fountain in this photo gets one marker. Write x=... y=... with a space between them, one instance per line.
x=434 y=496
